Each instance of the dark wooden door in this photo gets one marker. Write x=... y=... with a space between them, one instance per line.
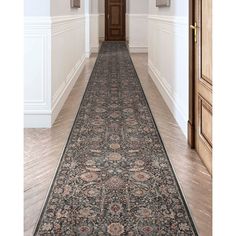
x=115 y=20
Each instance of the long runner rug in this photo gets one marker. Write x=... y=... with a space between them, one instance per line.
x=115 y=177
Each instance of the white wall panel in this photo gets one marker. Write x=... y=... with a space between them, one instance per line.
x=37 y=71
x=94 y=33
x=54 y=58
x=68 y=55
x=137 y=33
x=168 y=62
x=101 y=26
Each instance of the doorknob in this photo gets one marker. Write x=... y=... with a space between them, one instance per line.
x=108 y=16
x=194 y=27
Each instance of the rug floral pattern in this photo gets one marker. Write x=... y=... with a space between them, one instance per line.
x=115 y=177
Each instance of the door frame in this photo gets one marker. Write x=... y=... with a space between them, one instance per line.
x=191 y=119
x=106 y=21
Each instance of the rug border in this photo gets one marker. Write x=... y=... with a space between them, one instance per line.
x=171 y=166
x=37 y=225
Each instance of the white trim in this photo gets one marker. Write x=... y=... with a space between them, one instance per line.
x=137 y=15
x=167 y=96
x=87 y=36
x=94 y=50
x=37 y=120
x=61 y=24
x=169 y=19
x=66 y=18
x=134 y=49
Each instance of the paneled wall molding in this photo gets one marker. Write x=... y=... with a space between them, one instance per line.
x=50 y=69
x=137 y=15
x=168 y=62
x=137 y=49
x=37 y=82
x=61 y=24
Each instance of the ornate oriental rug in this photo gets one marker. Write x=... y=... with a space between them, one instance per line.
x=115 y=177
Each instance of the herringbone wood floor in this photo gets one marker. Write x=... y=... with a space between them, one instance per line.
x=43 y=149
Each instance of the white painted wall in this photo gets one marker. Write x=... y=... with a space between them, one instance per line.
x=168 y=56
x=137 y=6
x=177 y=8
x=62 y=8
x=37 y=8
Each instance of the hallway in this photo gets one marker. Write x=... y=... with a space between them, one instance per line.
x=39 y=169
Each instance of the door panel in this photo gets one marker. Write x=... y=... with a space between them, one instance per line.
x=205 y=118
x=115 y=19
x=203 y=81
x=207 y=40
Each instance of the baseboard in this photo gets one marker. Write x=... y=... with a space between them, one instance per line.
x=134 y=49
x=38 y=120
x=101 y=39
x=60 y=99
x=169 y=100
x=94 y=49
x=88 y=54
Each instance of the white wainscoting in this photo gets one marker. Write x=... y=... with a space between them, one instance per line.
x=68 y=56
x=94 y=33
x=37 y=72
x=101 y=27
x=54 y=59
x=127 y=27
x=137 y=30
x=168 y=63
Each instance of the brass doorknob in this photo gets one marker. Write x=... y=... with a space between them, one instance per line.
x=194 y=27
